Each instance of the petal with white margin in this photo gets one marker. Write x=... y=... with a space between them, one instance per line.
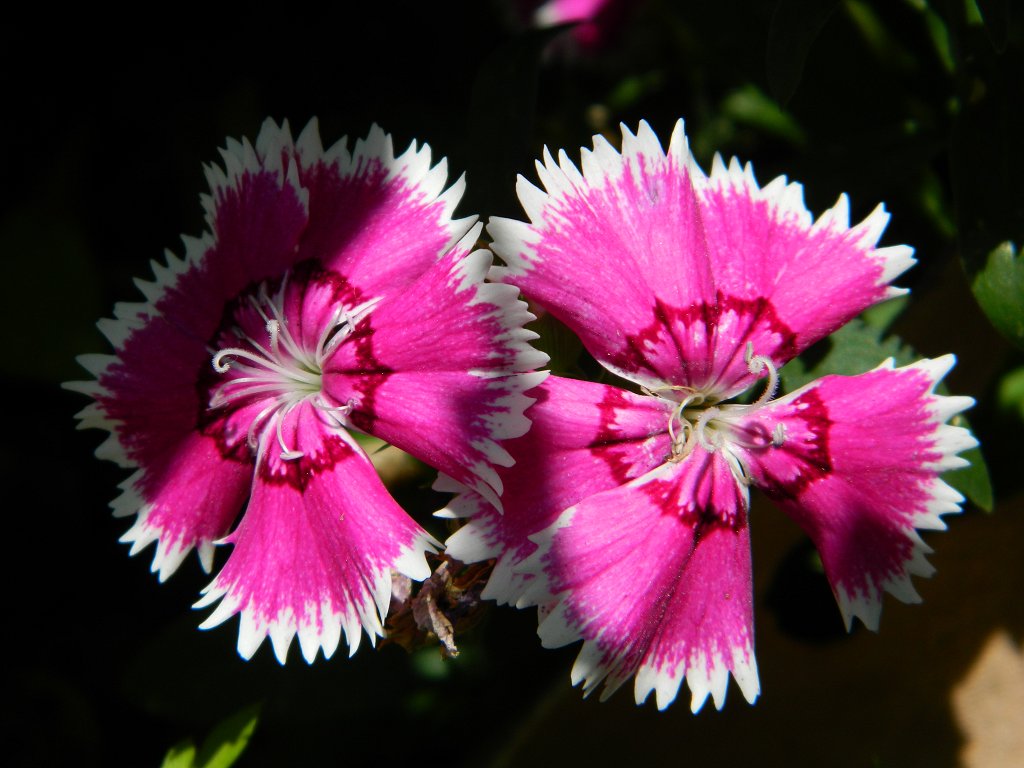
x=817 y=274
x=656 y=584
x=667 y=275
x=378 y=219
x=190 y=504
x=315 y=549
x=440 y=369
x=859 y=470
x=605 y=247
x=586 y=438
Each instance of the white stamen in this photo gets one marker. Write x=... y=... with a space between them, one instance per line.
x=712 y=426
x=685 y=437
x=274 y=329
x=279 y=367
x=287 y=454
x=250 y=435
x=756 y=364
x=284 y=373
x=344 y=323
x=337 y=412
x=708 y=442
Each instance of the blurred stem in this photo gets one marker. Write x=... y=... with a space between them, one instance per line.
x=531 y=726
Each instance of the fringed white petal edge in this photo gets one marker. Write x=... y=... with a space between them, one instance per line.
x=129 y=318
x=170 y=553
x=595 y=665
x=705 y=677
x=274 y=152
x=365 y=615
x=514 y=241
x=510 y=379
x=240 y=159
x=478 y=540
x=942 y=500
x=413 y=168
x=738 y=661
x=786 y=200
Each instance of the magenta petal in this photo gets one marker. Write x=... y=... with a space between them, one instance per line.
x=147 y=394
x=257 y=224
x=439 y=369
x=378 y=219
x=586 y=438
x=708 y=628
x=656 y=586
x=668 y=276
x=816 y=275
x=188 y=489
x=191 y=501
x=610 y=245
x=257 y=211
x=859 y=471
x=696 y=288
x=315 y=559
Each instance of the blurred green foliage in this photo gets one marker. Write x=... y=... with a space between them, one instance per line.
x=222 y=747
x=999 y=289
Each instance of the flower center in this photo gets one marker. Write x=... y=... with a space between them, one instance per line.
x=700 y=419
x=284 y=372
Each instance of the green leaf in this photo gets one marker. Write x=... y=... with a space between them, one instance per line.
x=859 y=346
x=1010 y=395
x=794 y=27
x=855 y=348
x=999 y=289
x=181 y=755
x=937 y=30
x=429 y=664
x=987 y=161
x=229 y=739
x=631 y=90
x=749 y=105
x=883 y=315
x=885 y=46
x=995 y=15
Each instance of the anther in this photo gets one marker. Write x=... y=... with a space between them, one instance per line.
x=274 y=330
x=779 y=435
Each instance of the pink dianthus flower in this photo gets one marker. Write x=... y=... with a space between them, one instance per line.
x=332 y=294
x=625 y=518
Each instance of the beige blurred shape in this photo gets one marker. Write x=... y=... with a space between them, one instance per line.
x=989 y=705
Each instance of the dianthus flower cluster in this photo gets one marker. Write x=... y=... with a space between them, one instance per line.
x=334 y=296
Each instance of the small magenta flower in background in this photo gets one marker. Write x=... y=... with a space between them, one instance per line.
x=626 y=515
x=332 y=293
x=596 y=22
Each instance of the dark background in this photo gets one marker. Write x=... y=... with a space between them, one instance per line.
x=103 y=137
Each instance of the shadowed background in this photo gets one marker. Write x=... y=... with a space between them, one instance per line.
x=908 y=103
